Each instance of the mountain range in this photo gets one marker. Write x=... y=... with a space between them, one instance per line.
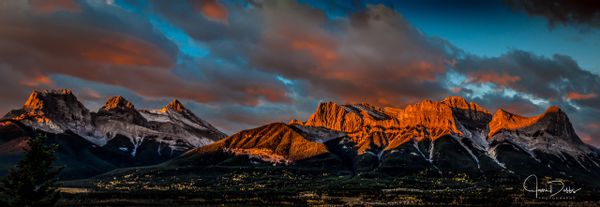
x=450 y=137
x=446 y=138
x=117 y=135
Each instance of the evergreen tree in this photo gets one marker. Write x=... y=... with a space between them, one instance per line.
x=32 y=182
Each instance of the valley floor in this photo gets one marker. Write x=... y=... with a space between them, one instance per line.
x=277 y=186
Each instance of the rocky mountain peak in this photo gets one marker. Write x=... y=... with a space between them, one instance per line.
x=174 y=105
x=275 y=142
x=52 y=104
x=553 y=121
x=457 y=102
x=118 y=108
x=553 y=109
x=337 y=117
x=504 y=120
x=53 y=110
x=117 y=103
x=39 y=100
x=556 y=122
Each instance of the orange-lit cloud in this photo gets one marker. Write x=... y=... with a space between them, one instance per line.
x=51 y=6
x=126 y=51
x=211 y=9
x=581 y=96
x=501 y=79
x=36 y=81
x=321 y=50
x=271 y=94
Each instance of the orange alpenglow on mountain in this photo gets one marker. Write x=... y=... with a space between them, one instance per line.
x=427 y=119
x=173 y=105
x=275 y=142
x=41 y=106
x=445 y=137
x=117 y=102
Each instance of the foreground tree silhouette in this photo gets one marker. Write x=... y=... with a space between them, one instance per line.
x=32 y=182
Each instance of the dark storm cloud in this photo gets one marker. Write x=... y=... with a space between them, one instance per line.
x=566 y=12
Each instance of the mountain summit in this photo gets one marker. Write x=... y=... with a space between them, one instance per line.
x=117 y=103
x=174 y=105
x=53 y=111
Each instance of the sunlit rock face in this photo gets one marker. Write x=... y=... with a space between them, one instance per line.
x=119 y=129
x=54 y=111
x=425 y=120
x=174 y=105
x=279 y=141
x=446 y=137
x=553 y=121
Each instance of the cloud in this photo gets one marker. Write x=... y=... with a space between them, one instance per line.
x=15 y=86
x=590 y=134
x=374 y=56
x=51 y=6
x=211 y=9
x=549 y=78
x=580 y=96
x=345 y=60
x=500 y=79
x=109 y=45
x=514 y=104
x=580 y=13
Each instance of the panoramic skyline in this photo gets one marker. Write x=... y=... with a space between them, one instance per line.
x=242 y=64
